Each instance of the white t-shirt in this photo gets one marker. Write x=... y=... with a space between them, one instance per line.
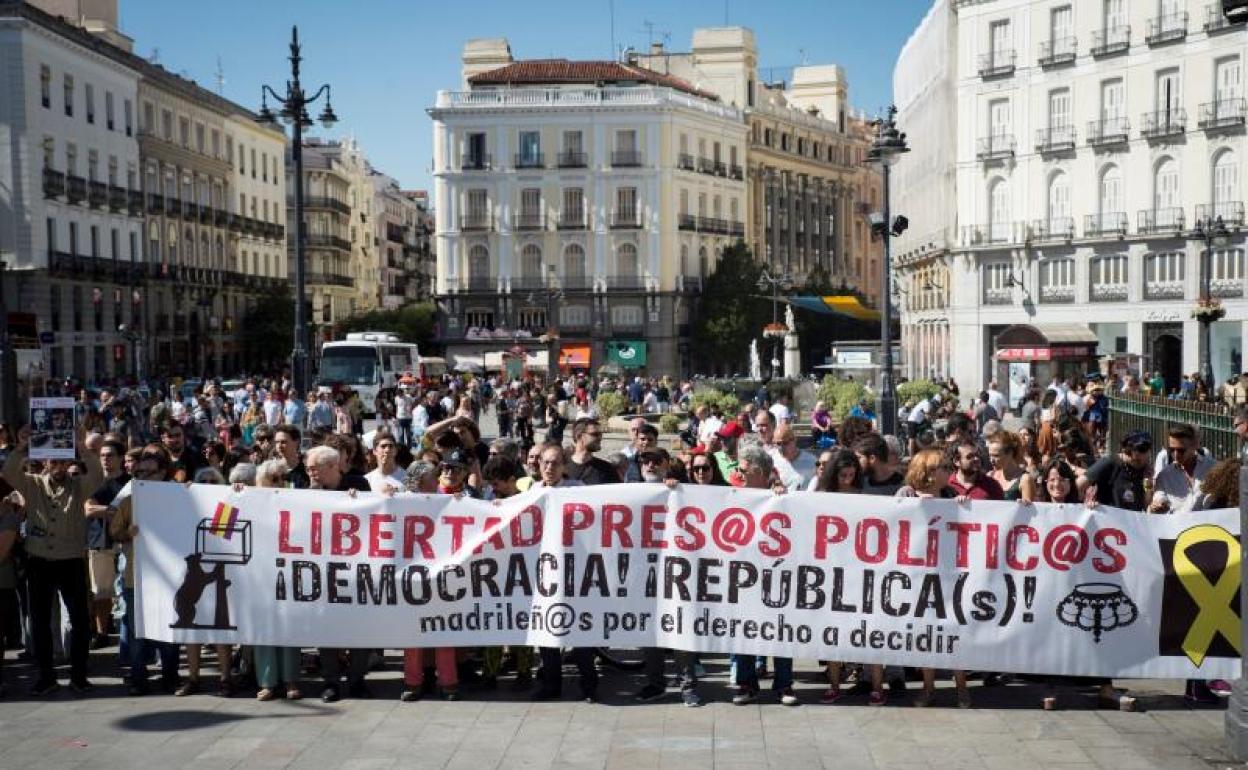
x=403 y=406
x=272 y=411
x=919 y=413
x=709 y=427
x=795 y=474
x=781 y=413
x=378 y=481
x=1172 y=484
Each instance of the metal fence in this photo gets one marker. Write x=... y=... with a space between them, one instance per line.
x=1128 y=413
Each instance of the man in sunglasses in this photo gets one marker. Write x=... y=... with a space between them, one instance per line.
x=584 y=465
x=1178 y=482
x=1119 y=481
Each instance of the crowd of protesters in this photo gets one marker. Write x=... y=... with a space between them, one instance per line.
x=66 y=534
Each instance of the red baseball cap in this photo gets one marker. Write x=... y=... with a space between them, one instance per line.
x=731 y=429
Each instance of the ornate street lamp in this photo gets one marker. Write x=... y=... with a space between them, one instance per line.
x=888 y=146
x=774 y=329
x=294 y=111
x=1213 y=234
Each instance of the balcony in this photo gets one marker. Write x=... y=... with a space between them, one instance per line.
x=1057 y=52
x=736 y=172
x=528 y=220
x=995 y=148
x=1222 y=115
x=1165 y=220
x=572 y=159
x=477 y=283
x=1216 y=22
x=687 y=222
x=633 y=282
x=713 y=226
x=155 y=203
x=996 y=64
x=1167 y=289
x=476 y=162
x=1164 y=124
x=625 y=159
x=1108 y=292
x=97 y=194
x=1226 y=288
x=53 y=183
x=1108 y=132
x=173 y=206
x=190 y=210
x=221 y=218
x=323 y=241
x=999 y=295
x=1110 y=223
x=625 y=220
x=530 y=160
x=1057 y=293
x=134 y=201
x=685 y=162
x=76 y=192
x=1111 y=41
x=323 y=202
x=330 y=279
x=1168 y=28
x=1053 y=229
x=116 y=198
x=999 y=232
x=474 y=221
x=571 y=220
x=1055 y=139
x=1230 y=212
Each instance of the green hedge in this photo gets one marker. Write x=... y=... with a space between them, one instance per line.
x=728 y=402
x=840 y=395
x=916 y=391
x=669 y=423
x=610 y=404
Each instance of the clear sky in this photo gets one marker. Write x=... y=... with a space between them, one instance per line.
x=385 y=59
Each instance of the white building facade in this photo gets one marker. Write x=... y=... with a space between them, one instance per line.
x=1088 y=140
x=564 y=204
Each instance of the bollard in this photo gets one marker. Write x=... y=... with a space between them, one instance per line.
x=1237 y=708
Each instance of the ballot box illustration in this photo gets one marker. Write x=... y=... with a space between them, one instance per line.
x=221 y=540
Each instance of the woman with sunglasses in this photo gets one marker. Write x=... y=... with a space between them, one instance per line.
x=928 y=477
x=705 y=471
x=824 y=460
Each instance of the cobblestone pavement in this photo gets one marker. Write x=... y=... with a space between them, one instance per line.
x=502 y=729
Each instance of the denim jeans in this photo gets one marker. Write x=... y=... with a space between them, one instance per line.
x=747 y=672
x=141 y=649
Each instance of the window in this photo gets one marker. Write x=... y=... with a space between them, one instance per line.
x=216 y=143
x=1225 y=183
x=76 y=310
x=242 y=159
x=1115 y=14
x=1111 y=191
x=1168 y=102
x=531 y=262
x=474 y=149
x=45 y=86
x=109 y=121
x=68 y=85
x=229 y=149
x=71 y=159
x=1061 y=25
x=1057 y=280
x=626 y=140
x=1227 y=270
x=572 y=142
x=999 y=118
x=684 y=202
x=1227 y=79
x=1109 y=277
x=531 y=203
x=1059 y=108
x=999 y=50
x=530 y=149
x=998 y=211
x=477 y=204
x=626 y=204
x=90 y=93
x=1111 y=101
x=73 y=238
x=1166 y=188
x=626 y=260
x=127 y=114
x=478 y=263
x=574 y=261
x=253 y=162
x=93 y=165
x=114 y=242
x=50 y=232
x=166 y=125
x=199 y=137
x=264 y=167
x=184 y=132
x=573 y=204
x=54 y=307
x=997 y=288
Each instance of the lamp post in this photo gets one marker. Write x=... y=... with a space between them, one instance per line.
x=776 y=283
x=1213 y=234
x=294 y=110
x=133 y=336
x=888 y=146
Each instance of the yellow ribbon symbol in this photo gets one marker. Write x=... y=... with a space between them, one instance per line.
x=1216 y=616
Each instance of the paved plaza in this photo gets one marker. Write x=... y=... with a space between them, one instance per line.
x=502 y=729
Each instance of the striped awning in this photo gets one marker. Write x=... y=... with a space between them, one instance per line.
x=845 y=305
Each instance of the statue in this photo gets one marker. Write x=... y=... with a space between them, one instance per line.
x=789 y=320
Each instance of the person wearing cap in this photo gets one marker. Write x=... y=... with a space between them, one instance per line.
x=453 y=474
x=655 y=464
x=723 y=447
x=1118 y=481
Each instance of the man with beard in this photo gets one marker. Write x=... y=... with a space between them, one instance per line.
x=584 y=465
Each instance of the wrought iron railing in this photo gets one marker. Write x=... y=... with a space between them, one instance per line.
x=1155 y=415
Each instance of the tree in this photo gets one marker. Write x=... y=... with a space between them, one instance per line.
x=731 y=313
x=268 y=330
x=412 y=323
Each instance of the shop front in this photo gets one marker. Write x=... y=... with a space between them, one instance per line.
x=573 y=358
x=1036 y=354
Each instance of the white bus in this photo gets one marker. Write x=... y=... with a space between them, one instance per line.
x=366 y=362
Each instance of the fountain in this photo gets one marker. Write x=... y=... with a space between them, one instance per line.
x=756 y=365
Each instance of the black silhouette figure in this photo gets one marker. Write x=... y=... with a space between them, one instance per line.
x=192 y=590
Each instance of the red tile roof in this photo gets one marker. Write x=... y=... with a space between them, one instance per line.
x=563 y=71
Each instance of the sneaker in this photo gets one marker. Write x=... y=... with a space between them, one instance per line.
x=45 y=687
x=1220 y=687
x=81 y=685
x=589 y=696
x=649 y=693
x=831 y=695
x=294 y=693
x=745 y=696
x=265 y=694
x=410 y=694
x=788 y=697
x=330 y=695
x=189 y=687
x=691 y=698
x=877 y=698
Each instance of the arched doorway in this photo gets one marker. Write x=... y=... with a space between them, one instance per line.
x=1167 y=358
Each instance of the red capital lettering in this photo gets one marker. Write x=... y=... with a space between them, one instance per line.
x=616 y=519
x=687 y=519
x=457 y=524
x=493 y=528
x=1011 y=548
x=416 y=532
x=576 y=516
x=881 y=541
x=829 y=530
x=283 y=534
x=345 y=529
x=653 y=524
x=773 y=525
x=377 y=535
x=964 y=530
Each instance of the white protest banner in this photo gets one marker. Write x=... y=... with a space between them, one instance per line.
x=1047 y=589
x=52 y=428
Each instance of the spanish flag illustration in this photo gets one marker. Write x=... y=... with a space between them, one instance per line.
x=223 y=520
